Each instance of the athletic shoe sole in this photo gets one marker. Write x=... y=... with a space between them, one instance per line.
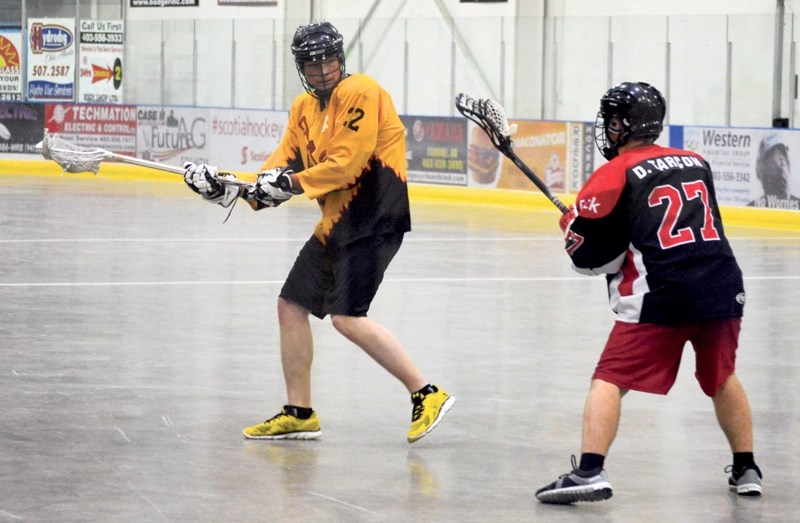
x=289 y=435
x=567 y=495
x=748 y=489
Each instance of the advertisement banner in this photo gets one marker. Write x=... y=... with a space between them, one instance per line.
x=752 y=167
x=255 y=3
x=544 y=147
x=10 y=65
x=21 y=127
x=241 y=140
x=173 y=135
x=51 y=59
x=101 y=49
x=583 y=152
x=483 y=159
x=110 y=127
x=436 y=149
x=164 y=3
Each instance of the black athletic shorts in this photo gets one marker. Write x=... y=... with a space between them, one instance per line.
x=340 y=280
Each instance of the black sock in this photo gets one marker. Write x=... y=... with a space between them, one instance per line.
x=298 y=412
x=427 y=389
x=591 y=462
x=744 y=460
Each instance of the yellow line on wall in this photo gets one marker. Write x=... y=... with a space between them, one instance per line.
x=744 y=216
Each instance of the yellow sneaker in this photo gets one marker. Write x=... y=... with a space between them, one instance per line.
x=428 y=411
x=285 y=426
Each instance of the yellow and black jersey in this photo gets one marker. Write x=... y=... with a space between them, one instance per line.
x=350 y=157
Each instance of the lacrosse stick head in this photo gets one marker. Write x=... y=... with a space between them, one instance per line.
x=72 y=158
x=490 y=116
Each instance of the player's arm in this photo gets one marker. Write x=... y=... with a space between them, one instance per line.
x=595 y=229
x=277 y=180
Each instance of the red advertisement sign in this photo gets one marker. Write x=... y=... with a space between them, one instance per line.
x=111 y=127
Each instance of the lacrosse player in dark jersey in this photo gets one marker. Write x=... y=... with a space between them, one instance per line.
x=345 y=147
x=648 y=219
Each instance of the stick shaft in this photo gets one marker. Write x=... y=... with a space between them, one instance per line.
x=146 y=163
x=227 y=179
x=535 y=179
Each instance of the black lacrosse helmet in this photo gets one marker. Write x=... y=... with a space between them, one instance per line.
x=639 y=109
x=316 y=42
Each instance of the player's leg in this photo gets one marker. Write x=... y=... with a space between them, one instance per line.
x=382 y=346
x=715 y=345
x=588 y=480
x=358 y=271
x=733 y=413
x=601 y=414
x=301 y=295
x=429 y=402
x=641 y=357
x=297 y=351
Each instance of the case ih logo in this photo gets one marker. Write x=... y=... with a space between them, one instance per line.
x=49 y=38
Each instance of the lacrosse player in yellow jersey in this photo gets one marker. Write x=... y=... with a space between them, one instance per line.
x=345 y=147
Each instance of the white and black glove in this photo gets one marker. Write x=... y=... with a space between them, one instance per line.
x=274 y=187
x=203 y=179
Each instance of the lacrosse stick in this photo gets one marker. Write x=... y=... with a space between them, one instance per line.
x=490 y=116
x=75 y=159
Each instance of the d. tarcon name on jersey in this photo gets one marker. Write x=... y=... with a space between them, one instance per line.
x=665 y=163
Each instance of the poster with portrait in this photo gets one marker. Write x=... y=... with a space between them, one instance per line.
x=101 y=50
x=10 y=65
x=51 y=60
x=752 y=167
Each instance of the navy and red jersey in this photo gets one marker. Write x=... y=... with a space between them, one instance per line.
x=649 y=220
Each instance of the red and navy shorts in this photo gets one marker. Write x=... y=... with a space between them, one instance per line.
x=340 y=280
x=646 y=356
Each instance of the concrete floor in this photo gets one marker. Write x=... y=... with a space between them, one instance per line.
x=138 y=337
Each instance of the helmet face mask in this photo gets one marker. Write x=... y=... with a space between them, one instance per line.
x=314 y=46
x=630 y=110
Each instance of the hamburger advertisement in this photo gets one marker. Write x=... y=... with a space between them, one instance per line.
x=455 y=151
x=483 y=159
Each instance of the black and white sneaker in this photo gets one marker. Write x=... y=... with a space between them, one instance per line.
x=745 y=482
x=576 y=486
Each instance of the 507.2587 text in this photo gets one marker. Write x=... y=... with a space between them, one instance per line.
x=53 y=70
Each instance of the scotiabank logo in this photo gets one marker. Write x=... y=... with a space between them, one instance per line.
x=49 y=38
